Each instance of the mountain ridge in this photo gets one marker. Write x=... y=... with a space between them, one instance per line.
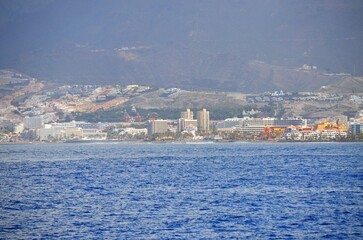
x=201 y=44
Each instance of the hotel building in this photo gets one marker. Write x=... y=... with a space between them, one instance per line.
x=157 y=126
x=203 y=120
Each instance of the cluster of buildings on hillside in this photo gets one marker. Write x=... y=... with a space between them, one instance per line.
x=279 y=96
x=32 y=111
x=36 y=100
x=83 y=98
x=187 y=127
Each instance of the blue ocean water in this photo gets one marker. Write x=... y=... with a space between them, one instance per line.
x=182 y=191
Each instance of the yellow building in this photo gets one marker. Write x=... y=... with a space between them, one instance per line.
x=328 y=126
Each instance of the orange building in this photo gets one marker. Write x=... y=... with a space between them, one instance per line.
x=272 y=133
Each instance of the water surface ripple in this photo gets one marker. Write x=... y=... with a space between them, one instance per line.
x=183 y=191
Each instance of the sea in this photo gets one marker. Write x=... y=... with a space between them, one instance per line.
x=181 y=191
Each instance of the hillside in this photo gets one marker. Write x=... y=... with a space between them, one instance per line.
x=181 y=99
x=346 y=85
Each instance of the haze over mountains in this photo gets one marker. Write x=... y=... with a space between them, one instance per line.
x=249 y=46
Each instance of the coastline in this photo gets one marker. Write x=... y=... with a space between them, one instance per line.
x=167 y=142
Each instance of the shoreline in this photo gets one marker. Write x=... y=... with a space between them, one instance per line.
x=166 y=142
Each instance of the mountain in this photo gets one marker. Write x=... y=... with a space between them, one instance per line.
x=347 y=85
x=234 y=45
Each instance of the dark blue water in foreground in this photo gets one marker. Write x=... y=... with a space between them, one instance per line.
x=187 y=191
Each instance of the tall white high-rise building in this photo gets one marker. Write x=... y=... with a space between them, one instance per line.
x=186 y=121
x=203 y=120
x=187 y=115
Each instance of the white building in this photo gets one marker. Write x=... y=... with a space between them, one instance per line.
x=203 y=120
x=19 y=128
x=33 y=122
x=185 y=124
x=134 y=131
x=57 y=132
x=356 y=126
x=157 y=126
